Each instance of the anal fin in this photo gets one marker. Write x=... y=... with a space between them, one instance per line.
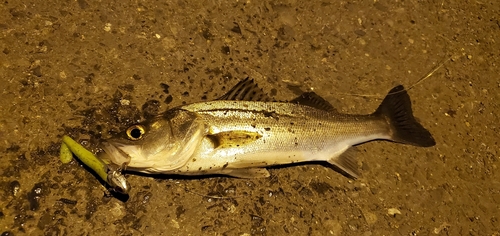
x=248 y=173
x=346 y=162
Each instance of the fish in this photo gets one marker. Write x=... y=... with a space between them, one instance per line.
x=245 y=131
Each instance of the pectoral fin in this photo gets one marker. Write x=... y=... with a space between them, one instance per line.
x=247 y=173
x=346 y=162
x=235 y=138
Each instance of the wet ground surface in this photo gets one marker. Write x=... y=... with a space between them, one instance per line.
x=90 y=68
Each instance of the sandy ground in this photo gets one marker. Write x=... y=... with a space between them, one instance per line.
x=72 y=67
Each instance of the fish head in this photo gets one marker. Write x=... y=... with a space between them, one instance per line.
x=140 y=143
x=160 y=145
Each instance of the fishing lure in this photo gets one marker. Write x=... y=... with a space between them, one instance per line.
x=110 y=173
x=65 y=155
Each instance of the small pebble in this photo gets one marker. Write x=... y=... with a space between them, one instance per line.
x=393 y=211
x=125 y=102
x=15 y=186
x=107 y=27
x=37 y=71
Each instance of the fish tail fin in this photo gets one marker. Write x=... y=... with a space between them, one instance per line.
x=404 y=128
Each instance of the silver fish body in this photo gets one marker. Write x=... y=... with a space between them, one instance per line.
x=245 y=131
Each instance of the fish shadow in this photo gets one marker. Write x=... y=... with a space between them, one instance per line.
x=208 y=176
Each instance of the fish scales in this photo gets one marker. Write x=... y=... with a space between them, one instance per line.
x=290 y=132
x=285 y=121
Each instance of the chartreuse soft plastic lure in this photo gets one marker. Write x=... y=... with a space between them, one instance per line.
x=65 y=155
x=87 y=157
x=110 y=173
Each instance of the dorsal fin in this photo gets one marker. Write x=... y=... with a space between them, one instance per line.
x=311 y=99
x=246 y=90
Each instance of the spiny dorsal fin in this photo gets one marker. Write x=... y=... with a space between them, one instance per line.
x=246 y=90
x=311 y=99
x=235 y=138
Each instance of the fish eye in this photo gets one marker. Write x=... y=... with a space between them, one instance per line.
x=135 y=132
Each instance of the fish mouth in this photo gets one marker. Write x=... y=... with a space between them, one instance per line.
x=114 y=153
